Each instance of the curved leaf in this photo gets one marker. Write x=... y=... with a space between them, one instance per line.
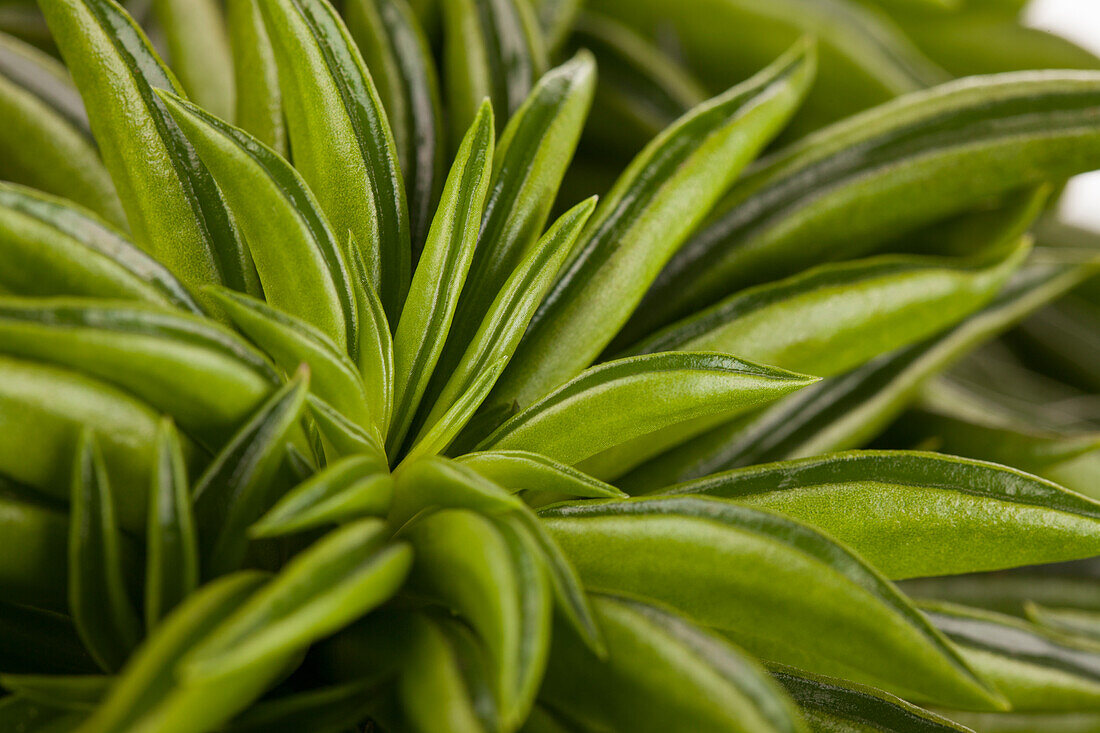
x=374 y=353
x=434 y=482
x=517 y=470
x=340 y=436
x=259 y=109
x=197 y=41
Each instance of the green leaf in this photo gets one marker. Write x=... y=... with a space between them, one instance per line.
x=836 y=317
x=598 y=411
x=374 y=354
x=840 y=706
x=851 y=188
x=33 y=555
x=1029 y=722
x=259 y=100
x=1066 y=620
x=492 y=49
x=778 y=588
x=300 y=264
x=340 y=436
x=171 y=547
x=662 y=673
x=436 y=285
x=290 y=342
x=556 y=17
x=101 y=609
x=342 y=576
x=914 y=514
x=440 y=482
x=197 y=371
x=237 y=487
x=1036 y=669
x=41 y=642
x=197 y=41
x=396 y=50
x=1008 y=592
x=507 y=317
x=652 y=208
x=65 y=692
x=53 y=248
x=517 y=470
x=341 y=138
x=45 y=141
x=348 y=488
x=330 y=709
x=175 y=210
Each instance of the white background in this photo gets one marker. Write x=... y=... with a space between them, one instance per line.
x=1078 y=20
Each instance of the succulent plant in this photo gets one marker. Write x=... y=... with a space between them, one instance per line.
x=334 y=398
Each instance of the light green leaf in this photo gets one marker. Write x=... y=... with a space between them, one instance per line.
x=440 y=482
x=374 y=354
x=197 y=41
x=518 y=471
x=778 y=588
x=340 y=436
x=259 y=99
x=653 y=207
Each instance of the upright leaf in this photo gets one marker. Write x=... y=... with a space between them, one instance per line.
x=259 y=99
x=198 y=49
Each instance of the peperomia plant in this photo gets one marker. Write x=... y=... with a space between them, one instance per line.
x=480 y=366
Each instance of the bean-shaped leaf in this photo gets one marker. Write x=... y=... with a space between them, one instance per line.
x=46 y=142
x=849 y=410
x=148 y=693
x=590 y=416
x=341 y=138
x=299 y=261
x=440 y=482
x=339 y=578
x=171 y=547
x=374 y=353
x=751 y=575
x=869 y=179
x=192 y=368
x=492 y=48
x=397 y=52
x=33 y=555
x=175 y=210
x=506 y=319
x=525 y=471
x=433 y=295
x=846 y=314
x=348 y=488
x=534 y=151
x=841 y=706
x=53 y=248
x=1036 y=669
x=98 y=602
x=913 y=514
x=43 y=410
x=290 y=342
x=237 y=487
x=197 y=41
x=259 y=99
x=662 y=673
x=652 y=208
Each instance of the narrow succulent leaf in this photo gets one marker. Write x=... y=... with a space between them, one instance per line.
x=330 y=709
x=505 y=321
x=290 y=342
x=846 y=313
x=197 y=41
x=341 y=138
x=396 y=50
x=1036 y=669
x=340 y=436
x=597 y=411
x=662 y=673
x=236 y=488
x=300 y=264
x=556 y=18
x=348 y=488
x=440 y=482
x=34 y=641
x=53 y=248
x=490 y=50
x=171 y=547
x=66 y=692
x=517 y=470
x=102 y=611
x=33 y=556
x=747 y=573
x=840 y=706
x=175 y=210
x=536 y=147
x=259 y=100
x=45 y=141
x=148 y=693
x=851 y=188
x=342 y=576
x=913 y=514
x=44 y=409
x=199 y=372
x=433 y=295
x=374 y=352
x=435 y=437
x=847 y=411
x=1009 y=592
x=653 y=207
